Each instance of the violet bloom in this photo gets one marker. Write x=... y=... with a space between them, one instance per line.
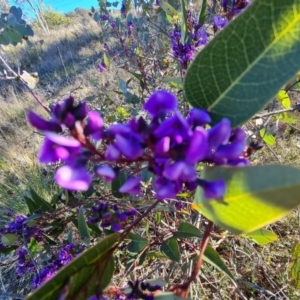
x=213 y=189
x=220 y=22
x=198 y=117
x=41 y=124
x=57 y=147
x=102 y=67
x=94 y=126
x=73 y=178
x=160 y=102
x=130 y=145
x=131 y=186
x=165 y=188
x=106 y=171
x=180 y=171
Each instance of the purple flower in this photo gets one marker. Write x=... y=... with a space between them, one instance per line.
x=102 y=67
x=180 y=171
x=41 y=124
x=165 y=188
x=130 y=146
x=198 y=146
x=220 y=22
x=198 y=117
x=131 y=186
x=73 y=178
x=213 y=189
x=112 y=153
x=58 y=147
x=160 y=102
x=106 y=171
x=163 y=145
x=94 y=126
x=219 y=134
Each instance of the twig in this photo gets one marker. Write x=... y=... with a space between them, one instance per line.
x=25 y=83
x=277 y=112
x=182 y=290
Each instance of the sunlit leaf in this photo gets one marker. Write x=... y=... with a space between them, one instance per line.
x=255 y=196
x=267 y=137
x=168 y=9
x=294 y=267
x=9 y=239
x=262 y=236
x=284 y=98
x=229 y=78
x=82 y=227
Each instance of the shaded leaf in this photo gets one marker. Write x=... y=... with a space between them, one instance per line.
x=82 y=227
x=9 y=239
x=40 y=202
x=91 y=270
x=170 y=248
x=228 y=77
x=294 y=267
x=173 y=82
x=212 y=257
x=255 y=196
x=117 y=183
x=184 y=29
x=186 y=230
x=202 y=14
x=137 y=243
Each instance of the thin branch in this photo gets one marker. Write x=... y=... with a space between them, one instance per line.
x=276 y=112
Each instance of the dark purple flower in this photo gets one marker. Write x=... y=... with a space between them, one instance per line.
x=73 y=178
x=41 y=124
x=163 y=145
x=57 y=147
x=102 y=67
x=131 y=186
x=112 y=153
x=160 y=102
x=180 y=171
x=130 y=145
x=219 y=135
x=213 y=189
x=94 y=126
x=198 y=117
x=198 y=146
x=165 y=188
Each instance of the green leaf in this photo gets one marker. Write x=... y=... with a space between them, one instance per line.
x=284 y=98
x=173 y=82
x=186 y=230
x=34 y=247
x=294 y=267
x=212 y=257
x=184 y=29
x=83 y=228
x=262 y=236
x=87 y=273
x=168 y=9
x=137 y=243
x=228 y=77
x=202 y=14
x=255 y=196
x=24 y=30
x=170 y=248
x=9 y=239
x=49 y=240
x=42 y=204
x=117 y=183
x=30 y=204
x=267 y=137
x=7 y=250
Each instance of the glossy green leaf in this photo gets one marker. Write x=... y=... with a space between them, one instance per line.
x=187 y=230
x=82 y=227
x=170 y=248
x=212 y=257
x=262 y=236
x=88 y=272
x=168 y=9
x=42 y=204
x=184 y=29
x=202 y=14
x=244 y=66
x=6 y=250
x=9 y=239
x=255 y=196
x=294 y=267
x=137 y=243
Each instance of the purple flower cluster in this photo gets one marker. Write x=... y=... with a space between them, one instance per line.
x=22 y=229
x=24 y=262
x=172 y=145
x=197 y=36
x=101 y=213
x=65 y=255
x=238 y=6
